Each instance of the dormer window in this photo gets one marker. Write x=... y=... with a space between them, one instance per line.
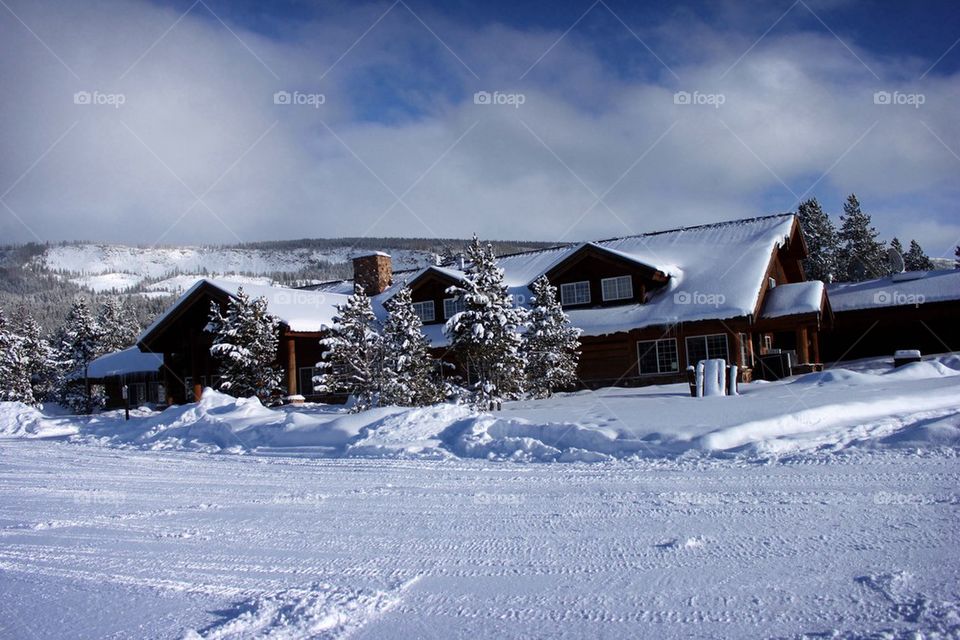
x=453 y=306
x=619 y=288
x=425 y=311
x=575 y=293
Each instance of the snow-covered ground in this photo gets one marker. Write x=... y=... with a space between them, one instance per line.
x=824 y=506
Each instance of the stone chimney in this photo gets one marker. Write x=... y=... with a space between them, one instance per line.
x=373 y=271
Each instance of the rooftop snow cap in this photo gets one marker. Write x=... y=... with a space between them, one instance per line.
x=373 y=272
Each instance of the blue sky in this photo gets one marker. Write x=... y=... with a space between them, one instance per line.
x=590 y=138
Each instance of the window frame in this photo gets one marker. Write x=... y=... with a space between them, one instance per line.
x=563 y=286
x=422 y=304
x=452 y=301
x=656 y=346
x=616 y=279
x=300 y=372
x=706 y=347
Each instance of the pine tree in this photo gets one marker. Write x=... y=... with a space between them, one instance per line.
x=245 y=342
x=119 y=327
x=14 y=372
x=408 y=370
x=862 y=255
x=956 y=253
x=916 y=259
x=77 y=345
x=551 y=345
x=41 y=361
x=897 y=246
x=352 y=359
x=822 y=241
x=485 y=335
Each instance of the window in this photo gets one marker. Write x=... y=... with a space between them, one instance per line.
x=424 y=310
x=657 y=356
x=575 y=293
x=453 y=306
x=706 y=348
x=305 y=375
x=619 y=288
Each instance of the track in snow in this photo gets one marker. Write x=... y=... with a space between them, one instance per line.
x=110 y=543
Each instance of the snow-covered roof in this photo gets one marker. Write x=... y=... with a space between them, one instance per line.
x=715 y=271
x=902 y=289
x=300 y=309
x=794 y=298
x=130 y=360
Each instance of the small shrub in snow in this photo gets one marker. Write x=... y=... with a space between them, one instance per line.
x=551 y=345
x=245 y=341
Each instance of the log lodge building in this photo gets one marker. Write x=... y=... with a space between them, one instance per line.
x=648 y=307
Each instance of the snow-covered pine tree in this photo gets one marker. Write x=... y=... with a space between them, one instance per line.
x=897 y=246
x=822 y=242
x=41 y=361
x=245 y=342
x=409 y=372
x=14 y=374
x=77 y=345
x=119 y=326
x=916 y=259
x=956 y=254
x=862 y=255
x=353 y=351
x=551 y=345
x=485 y=335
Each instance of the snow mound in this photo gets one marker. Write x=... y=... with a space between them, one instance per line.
x=18 y=420
x=322 y=611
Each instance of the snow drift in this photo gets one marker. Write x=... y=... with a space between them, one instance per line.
x=870 y=405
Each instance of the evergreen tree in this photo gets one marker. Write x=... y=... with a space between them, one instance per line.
x=119 y=327
x=408 y=370
x=352 y=359
x=822 y=241
x=956 y=253
x=14 y=373
x=862 y=255
x=41 y=361
x=551 y=345
x=77 y=345
x=245 y=341
x=485 y=335
x=916 y=259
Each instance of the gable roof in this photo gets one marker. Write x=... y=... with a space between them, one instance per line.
x=300 y=309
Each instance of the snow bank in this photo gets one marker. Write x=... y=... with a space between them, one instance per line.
x=917 y=405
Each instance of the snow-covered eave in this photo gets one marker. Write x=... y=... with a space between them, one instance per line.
x=777 y=244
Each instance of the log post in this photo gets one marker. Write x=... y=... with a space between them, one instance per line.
x=803 y=348
x=291 y=367
x=195 y=369
x=815 y=340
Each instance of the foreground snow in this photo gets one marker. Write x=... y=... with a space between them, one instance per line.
x=99 y=542
x=868 y=404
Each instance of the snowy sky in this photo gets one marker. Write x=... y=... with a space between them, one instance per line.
x=784 y=106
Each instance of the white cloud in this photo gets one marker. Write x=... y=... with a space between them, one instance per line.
x=793 y=108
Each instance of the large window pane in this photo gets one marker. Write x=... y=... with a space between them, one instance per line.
x=619 y=288
x=575 y=293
